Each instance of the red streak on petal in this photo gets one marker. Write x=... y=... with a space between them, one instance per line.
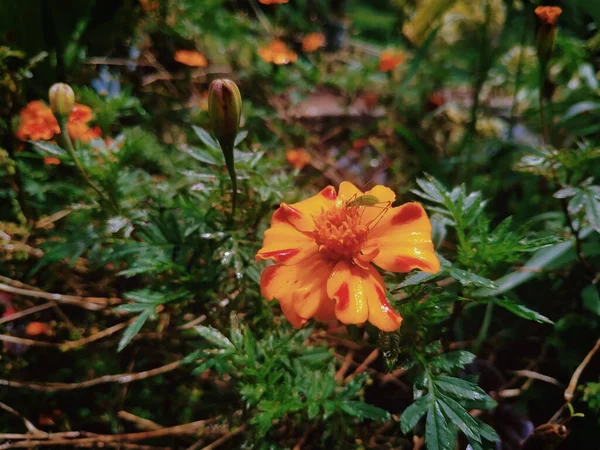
x=408 y=213
x=407 y=263
x=329 y=193
x=266 y=278
x=281 y=255
x=343 y=297
x=285 y=213
x=386 y=305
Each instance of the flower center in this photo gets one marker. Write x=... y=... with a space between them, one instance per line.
x=339 y=233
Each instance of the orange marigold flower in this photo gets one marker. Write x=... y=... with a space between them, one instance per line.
x=277 y=53
x=313 y=41
x=272 y=2
x=51 y=161
x=548 y=14
x=190 y=58
x=298 y=158
x=323 y=250
x=390 y=59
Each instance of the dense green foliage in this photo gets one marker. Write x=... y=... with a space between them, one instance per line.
x=133 y=229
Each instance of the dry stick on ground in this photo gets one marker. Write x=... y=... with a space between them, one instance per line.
x=91 y=303
x=569 y=392
x=120 y=378
x=139 y=422
x=339 y=376
x=364 y=365
x=30 y=426
x=25 y=312
x=54 y=439
x=68 y=345
x=222 y=439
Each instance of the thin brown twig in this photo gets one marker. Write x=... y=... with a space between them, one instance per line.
x=30 y=426
x=537 y=376
x=339 y=376
x=363 y=366
x=139 y=422
x=68 y=345
x=91 y=303
x=52 y=439
x=223 y=439
x=120 y=378
x=569 y=392
x=25 y=312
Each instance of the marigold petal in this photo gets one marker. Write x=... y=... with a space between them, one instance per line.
x=300 y=293
x=404 y=239
x=311 y=296
x=347 y=192
x=305 y=210
x=345 y=287
x=381 y=314
x=284 y=244
x=371 y=215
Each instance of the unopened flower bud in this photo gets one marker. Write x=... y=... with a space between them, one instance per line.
x=546 y=34
x=225 y=110
x=62 y=99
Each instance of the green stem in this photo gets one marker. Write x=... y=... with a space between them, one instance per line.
x=229 y=162
x=71 y=150
x=485 y=327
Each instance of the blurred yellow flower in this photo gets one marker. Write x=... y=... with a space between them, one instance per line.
x=277 y=53
x=323 y=248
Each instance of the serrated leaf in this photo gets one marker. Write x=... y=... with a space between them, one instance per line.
x=591 y=298
x=411 y=415
x=204 y=155
x=214 y=336
x=452 y=360
x=566 y=192
x=592 y=209
x=470 y=279
x=437 y=435
x=364 y=411
x=460 y=417
x=206 y=138
x=415 y=278
x=235 y=333
x=134 y=328
x=461 y=389
x=522 y=311
x=486 y=431
x=313 y=410
x=240 y=137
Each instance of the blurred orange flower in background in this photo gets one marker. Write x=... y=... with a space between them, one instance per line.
x=51 y=161
x=323 y=248
x=272 y=2
x=548 y=14
x=190 y=58
x=390 y=59
x=39 y=124
x=313 y=41
x=298 y=157
x=277 y=53
x=149 y=5
x=38 y=328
